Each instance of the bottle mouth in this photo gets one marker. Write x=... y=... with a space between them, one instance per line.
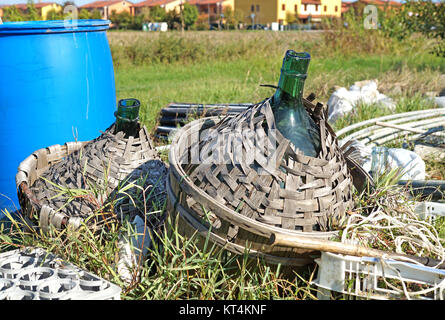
x=128 y=109
x=295 y=64
x=298 y=55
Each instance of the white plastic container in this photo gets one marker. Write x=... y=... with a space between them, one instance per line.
x=34 y=274
x=378 y=279
x=382 y=279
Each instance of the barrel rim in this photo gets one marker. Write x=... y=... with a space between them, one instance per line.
x=54 y=26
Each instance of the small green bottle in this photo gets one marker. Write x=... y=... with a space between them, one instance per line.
x=291 y=117
x=127 y=117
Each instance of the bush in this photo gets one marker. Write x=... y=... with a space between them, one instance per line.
x=32 y=13
x=426 y=17
x=202 y=23
x=95 y=14
x=173 y=20
x=123 y=20
x=394 y=32
x=157 y=14
x=54 y=15
x=190 y=14
x=11 y=14
x=84 y=14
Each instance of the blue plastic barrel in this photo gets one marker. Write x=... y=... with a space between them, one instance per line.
x=56 y=85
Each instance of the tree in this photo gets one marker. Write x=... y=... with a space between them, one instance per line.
x=144 y=15
x=53 y=14
x=140 y=19
x=190 y=14
x=123 y=20
x=157 y=14
x=95 y=14
x=32 y=12
x=68 y=3
x=291 y=18
x=12 y=14
x=239 y=17
x=229 y=17
x=84 y=14
x=421 y=16
x=173 y=19
x=203 y=22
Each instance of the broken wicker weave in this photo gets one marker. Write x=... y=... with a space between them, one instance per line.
x=105 y=163
x=299 y=195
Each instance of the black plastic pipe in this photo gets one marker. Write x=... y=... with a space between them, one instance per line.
x=426 y=188
x=220 y=105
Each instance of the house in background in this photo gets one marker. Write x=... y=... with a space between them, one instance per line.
x=42 y=7
x=270 y=11
x=212 y=7
x=318 y=9
x=106 y=7
x=167 y=5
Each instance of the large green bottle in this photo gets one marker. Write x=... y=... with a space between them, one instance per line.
x=291 y=117
x=127 y=117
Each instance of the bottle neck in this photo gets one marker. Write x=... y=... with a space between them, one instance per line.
x=127 y=117
x=290 y=88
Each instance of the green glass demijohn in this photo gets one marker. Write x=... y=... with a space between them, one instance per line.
x=291 y=117
x=127 y=117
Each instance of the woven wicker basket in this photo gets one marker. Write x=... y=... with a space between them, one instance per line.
x=110 y=158
x=307 y=198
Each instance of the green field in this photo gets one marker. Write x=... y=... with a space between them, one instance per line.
x=222 y=78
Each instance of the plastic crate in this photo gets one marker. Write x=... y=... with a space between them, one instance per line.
x=380 y=279
x=34 y=274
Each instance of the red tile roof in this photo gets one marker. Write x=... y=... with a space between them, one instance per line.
x=102 y=3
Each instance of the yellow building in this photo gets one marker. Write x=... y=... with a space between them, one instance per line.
x=46 y=7
x=284 y=11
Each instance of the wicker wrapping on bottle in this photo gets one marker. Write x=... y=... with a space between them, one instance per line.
x=239 y=202
x=105 y=163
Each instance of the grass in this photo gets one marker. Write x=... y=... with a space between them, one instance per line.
x=177 y=268
x=215 y=67
x=234 y=77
